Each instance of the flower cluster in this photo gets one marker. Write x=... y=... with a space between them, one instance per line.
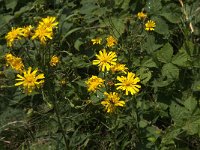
x=108 y=64
x=45 y=28
x=15 y=62
x=150 y=24
x=110 y=41
x=16 y=34
x=43 y=32
x=26 y=78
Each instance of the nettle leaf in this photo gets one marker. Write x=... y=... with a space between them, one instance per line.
x=124 y=4
x=150 y=45
x=192 y=126
x=116 y=23
x=165 y=53
x=148 y=62
x=11 y=4
x=189 y=47
x=172 y=13
x=170 y=135
x=161 y=83
x=153 y=6
x=178 y=113
x=88 y=7
x=181 y=59
x=144 y=75
x=161 y=25
x=170 y=71
x=190 y=104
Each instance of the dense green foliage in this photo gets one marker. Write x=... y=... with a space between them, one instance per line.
x=164 y=115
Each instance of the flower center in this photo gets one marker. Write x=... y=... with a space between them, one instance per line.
x=127 y=83
x=30 y=79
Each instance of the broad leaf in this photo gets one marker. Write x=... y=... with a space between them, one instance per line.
x=165 y=53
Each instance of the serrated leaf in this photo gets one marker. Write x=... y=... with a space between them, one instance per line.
x=153 y=6
x=190 y=104
x=172 y=13
x=150 y=45
x=165 y=53
x=11 y=4
x=144 y=75
x=116 y=23
x=192 y=126
x=178 y=113
x=148 y=62
x=170 y=71
x=169 y=136
x=161 y=25
x=181 y=59
x=161 y=83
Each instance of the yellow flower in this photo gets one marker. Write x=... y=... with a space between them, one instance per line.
x=15 y=62
x=94 y=83
x=150 y=25
x=129 y=83
x=96 y=41
x=54 y=60
x=111 y=101
x=111 y=41
x=63 y=82
x=119 y=67
x=105 y=60
x=141 y=15
x=9 y=58
x=13 y=35
x=27 y=31
x=43 y=34
x=30 y=80
x=48 y=22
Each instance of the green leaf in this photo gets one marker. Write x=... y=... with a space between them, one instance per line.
x=178 y=113
x=150 y=45
x=153 y=6
x=169 y=136
x=172 y=13
x=11 y=4
x=117 y=24
x=78 y=43
x=161 y=83
x=165 y=53
x=144 y=75
x=192 y=126
x=143 y=123
x=70 y=32
x=196 y=86
x=5 y=19
x=161 y=25
x=190 y=104
x=170 y=71
x=181 y=59
x=148 y=62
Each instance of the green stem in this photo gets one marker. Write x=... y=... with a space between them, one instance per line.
x=51 y=96
x=60 y=124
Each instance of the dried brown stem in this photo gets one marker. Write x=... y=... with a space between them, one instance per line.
x=186 y=16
